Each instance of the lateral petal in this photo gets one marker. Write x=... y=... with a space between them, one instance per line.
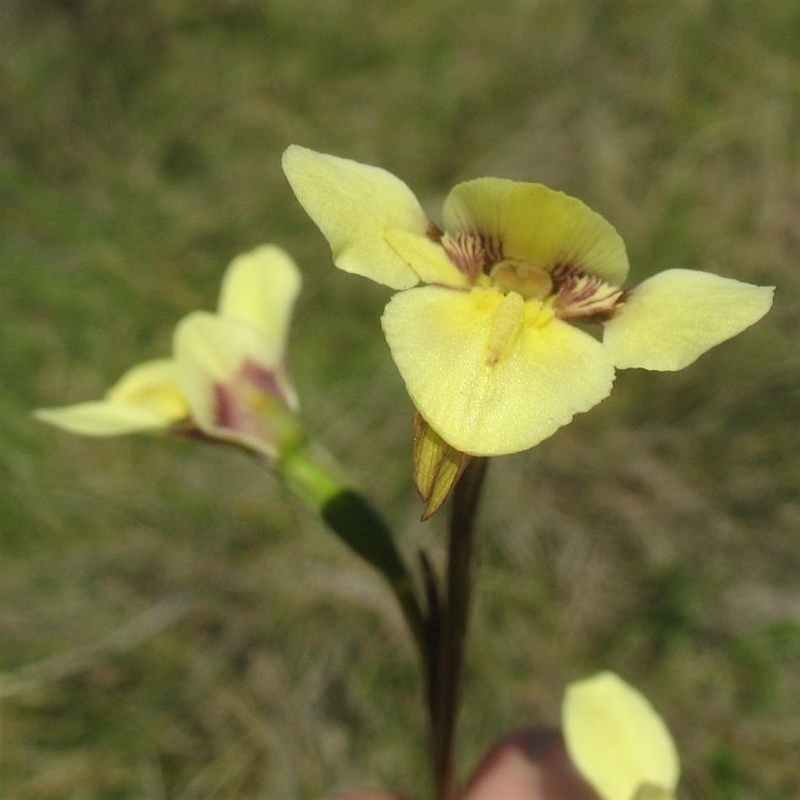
x=102 y=418
x=671 y=319
x=352 y=204
x=428 y=259
x=616 y=739
x=534 y=223
x=490 y=373
x=260 y=287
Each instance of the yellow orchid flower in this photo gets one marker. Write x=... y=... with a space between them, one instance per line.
x=488 y=349
x=227 y=378
x=617 y=741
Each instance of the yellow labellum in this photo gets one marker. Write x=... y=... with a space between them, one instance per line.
x=487 y=370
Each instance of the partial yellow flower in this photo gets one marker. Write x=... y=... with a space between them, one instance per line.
x=227 y=378
x=488 y=349
x=617 y=740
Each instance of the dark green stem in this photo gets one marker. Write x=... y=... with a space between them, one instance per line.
x=447 y=641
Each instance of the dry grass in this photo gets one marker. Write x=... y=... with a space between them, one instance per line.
x=173 y=627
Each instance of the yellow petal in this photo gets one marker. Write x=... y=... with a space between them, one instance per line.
x=102 y=418
x=490 y=373
x=616 y=739
x=260 y=287
x=235 y=384
x=352 y=204
x=671 y=319
x=146 y=398
x=427 y=258
x=538 y=225
x=220 y=345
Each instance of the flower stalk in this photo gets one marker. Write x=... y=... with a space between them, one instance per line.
x=448 y=628
x=439 y=634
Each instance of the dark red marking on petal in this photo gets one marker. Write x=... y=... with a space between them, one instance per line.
x=434 y=232
x=467 y=252
x=582 y=296
x=228 y=412
x=261 y=377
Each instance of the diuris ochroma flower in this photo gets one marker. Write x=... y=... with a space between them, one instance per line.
x=488 y=346
x=227 y=379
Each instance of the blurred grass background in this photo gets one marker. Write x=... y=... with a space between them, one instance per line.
x=172 y=625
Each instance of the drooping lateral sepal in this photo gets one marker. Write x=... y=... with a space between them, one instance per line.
x=437 y=466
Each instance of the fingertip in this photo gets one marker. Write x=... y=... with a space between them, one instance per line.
x=529 y=765
x=366 y=794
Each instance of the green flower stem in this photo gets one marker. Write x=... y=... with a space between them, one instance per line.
x=448 y=634
x=348 y=514
x=440 y=636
